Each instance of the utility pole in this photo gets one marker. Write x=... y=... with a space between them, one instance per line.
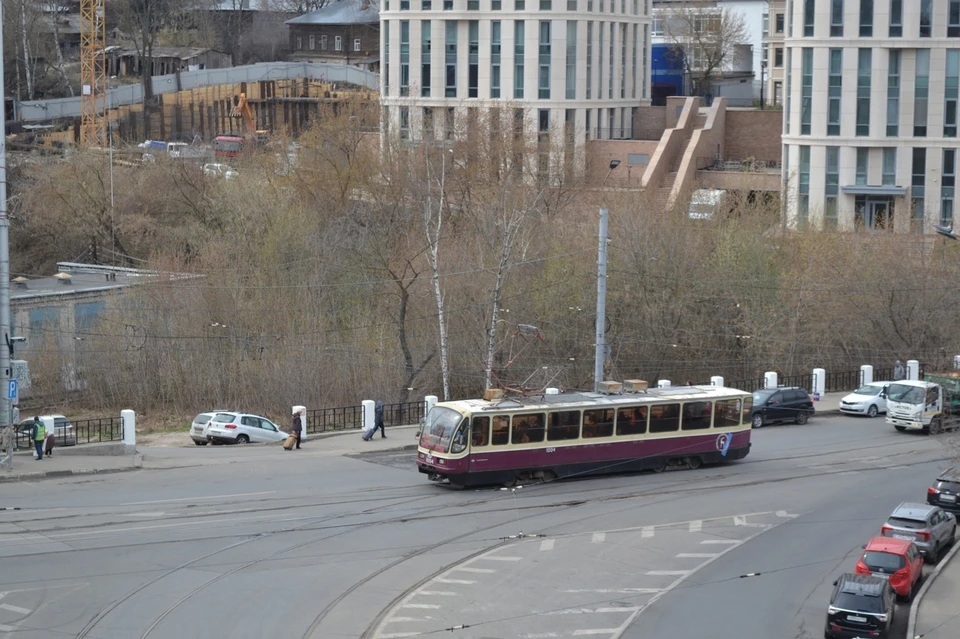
x=600 y=354
x=7 y=345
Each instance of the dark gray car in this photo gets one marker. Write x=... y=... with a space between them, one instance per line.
x=773 y=405
x=931 y=528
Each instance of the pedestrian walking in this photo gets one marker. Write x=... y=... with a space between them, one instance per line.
x=378 y=420
x=297 y=428
x=898 y=372
x=39 y=434
x=49 y=443
x=7 y=441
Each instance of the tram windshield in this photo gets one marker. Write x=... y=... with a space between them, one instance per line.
x=438 y=429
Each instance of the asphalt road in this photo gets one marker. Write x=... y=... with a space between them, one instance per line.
x=307 y=545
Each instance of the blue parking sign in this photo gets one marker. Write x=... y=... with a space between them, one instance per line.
x=12 y=389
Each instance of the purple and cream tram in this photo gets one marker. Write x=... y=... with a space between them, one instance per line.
x=475 y=441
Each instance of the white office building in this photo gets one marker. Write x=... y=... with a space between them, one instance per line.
x=568 y=69
x=870 y=113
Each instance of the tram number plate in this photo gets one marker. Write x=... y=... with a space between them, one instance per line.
x=551 y=449
x=857 y=619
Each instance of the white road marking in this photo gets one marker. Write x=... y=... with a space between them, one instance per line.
x=646 y=531
x=668 y=573
x=499 y=558
x=720 y=541
x=443 y=580
x=598 y=538
x=5 y=628
x=398 y=635
x=739 y=521
x=850 y=472
x=478 y=570
x=609 y=591
x=696 y=525
x=170 y=501
x=421 y=606
x=147 y=514
x=783 y=513
x=546 y=544
x=540 y=635
x=437 y=593
x=17 y=609
x=624 y=609
x=402 y=619
x=597 y=631
x=697 y=555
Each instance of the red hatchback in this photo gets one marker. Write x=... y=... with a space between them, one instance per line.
x=897 y=560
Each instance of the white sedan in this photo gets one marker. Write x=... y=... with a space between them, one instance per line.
x=867 y=400
x=243 y=428
x=225 y=171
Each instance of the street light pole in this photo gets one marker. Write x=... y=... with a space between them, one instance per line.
x=600 y=353
x=7 y=345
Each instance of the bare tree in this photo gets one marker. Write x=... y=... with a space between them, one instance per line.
x=296 y=6
x=25 y=40
x=705 y=38
x=433 y=222
x=59 y=10
x=141 y=21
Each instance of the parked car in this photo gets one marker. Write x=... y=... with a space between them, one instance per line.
x=225 y=171
x=243 y=428
x=931 y=528
x=945 y=490
x=869 y=400
x=860 y=606
x=897 y=560
x=199 y=426
x=772 y=405
x=64 y=433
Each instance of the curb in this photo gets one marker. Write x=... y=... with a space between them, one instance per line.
x=915 y=606
x=63 y=473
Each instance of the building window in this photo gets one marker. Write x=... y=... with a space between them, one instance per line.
x=834 y=91
x=918 y=188
x=450 y=87
x=426 y=5
x=803 y=190
x=356 y=44
x=449 y=122
x=778 y=23
x=426 y=34
x=953 y=19
x=473 y=60
x=519 y=5
x=323 y=43
x=385 y=29
x=863 y=165
x=809 y=12
x=599 y=66
x=791 y=22
x=806 y=90
x=896 y=18
x=864 y=68
x=889 y=176
x=495 y=39
x=404 y=5
x=926 y=18
x=337 y=43
x=610 y=58
x=448 y=5
x=312 y=42
x=766 y=26
x=921 y=94
x=546 y=5
x=623 y=61
x=950 y=93
x=836 y=18
x=473 y=5
x=496 y=5
x=778 y=57
x=866 y=18
x=633 y=67
x=786 y=111
x=571 y=59
x=947 y=189
x=300 y=43
x=428 y=126
x=589 y=59
x=543 y=83
x=893 y=94
x=404 y=58
x=646 y=39
x=404 y=123
x=831 y=187
x=518 y=37
x=657 y=28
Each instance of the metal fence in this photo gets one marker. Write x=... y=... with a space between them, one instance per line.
x=83 y=431
x=323 y=420
x=835 y=382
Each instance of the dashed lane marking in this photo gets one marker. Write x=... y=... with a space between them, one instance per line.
x=721 y=541
x=646 y=531
x=402 y=619
x=783 y=513
x=598 y=538
x=594 y=631
x=484 y=571
x=619 y=591
x=697 y=555
x=668 y=573
x=696 y=525
x=437 y=593
x=444 y=580
x=421 y=606
x=546 y=544
x=5 y=628
x=398 y=635
x=499 y=558
x=17 y=609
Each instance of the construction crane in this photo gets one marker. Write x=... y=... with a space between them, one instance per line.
x=93 y=78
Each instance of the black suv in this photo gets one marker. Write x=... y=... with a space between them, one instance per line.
x=861 y=606
x=945 y=491
x=771 y=405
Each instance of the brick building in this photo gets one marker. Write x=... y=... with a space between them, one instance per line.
x=345 y=32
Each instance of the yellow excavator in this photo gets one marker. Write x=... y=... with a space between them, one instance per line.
x=231 y=145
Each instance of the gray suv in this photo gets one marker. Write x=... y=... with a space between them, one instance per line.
x=931 y=528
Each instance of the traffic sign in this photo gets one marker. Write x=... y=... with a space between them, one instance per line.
x=12 y=389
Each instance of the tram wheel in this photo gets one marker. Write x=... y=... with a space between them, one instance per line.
x=510 y=483
x=694 y=462
x=549 y=475
x=660 y=466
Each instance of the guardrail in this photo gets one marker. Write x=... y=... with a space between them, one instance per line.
x=97 y=430
x=324 y=420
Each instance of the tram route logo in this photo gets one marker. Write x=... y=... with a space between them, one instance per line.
x=723 y=443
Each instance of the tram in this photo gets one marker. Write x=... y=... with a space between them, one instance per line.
x=504 y=440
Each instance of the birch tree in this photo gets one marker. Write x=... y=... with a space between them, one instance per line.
x=433 y=223
x=61 y=68
x=25 y=42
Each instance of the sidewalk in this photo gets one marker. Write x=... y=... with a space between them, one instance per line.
x=934 y=613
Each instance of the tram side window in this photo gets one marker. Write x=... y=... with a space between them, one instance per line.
x=664 y=418
x=563 y=425
x=696 y=415
x=726 y=413
x=746 y=412
x=598 y=423
x=501 y=430
x=632 y=421
x=528 y=428
x=461 y=437
x=481 y=432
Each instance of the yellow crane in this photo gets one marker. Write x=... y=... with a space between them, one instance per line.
x=93 y=78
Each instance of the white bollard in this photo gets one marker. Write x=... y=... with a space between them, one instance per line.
x=866 y=374
x=956 y=362
x=663 y=383
x=129 y=420
x=819 y=383
x=913 y=370
x=369 y=406
x=303 y=421
x=428 y=402
x=716 y=380
x=553 y=391
x=770 y=379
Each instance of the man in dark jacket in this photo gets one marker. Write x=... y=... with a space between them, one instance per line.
x=378 y=420
x=297 y=428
